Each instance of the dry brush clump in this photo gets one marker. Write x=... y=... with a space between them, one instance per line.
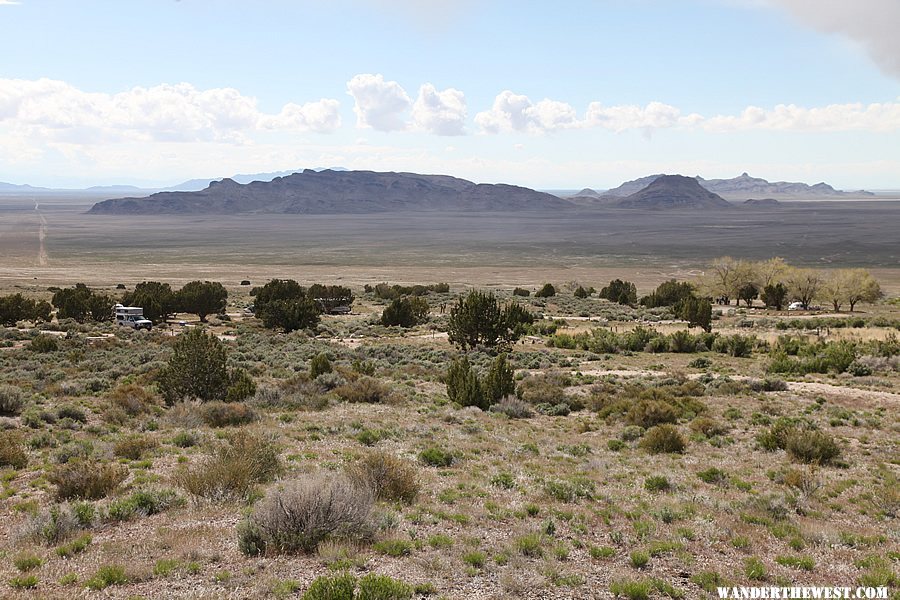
x=389 y=477
x=87 y=480
x=12 y=450
x=305 y=512
x=233 y=470
x=12 y=399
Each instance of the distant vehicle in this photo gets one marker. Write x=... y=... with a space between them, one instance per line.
x=795 y=306
x=131 y=316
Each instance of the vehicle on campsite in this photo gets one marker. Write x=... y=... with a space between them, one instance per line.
x=131 y=316
x=795 y=306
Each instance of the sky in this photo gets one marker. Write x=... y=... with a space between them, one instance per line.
x=560 y=95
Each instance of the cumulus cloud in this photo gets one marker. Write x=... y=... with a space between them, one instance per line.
x=180 y=112
x=871 y=23
x=440 y=112
x=878 y=117
x=515 y=112
x=379 y=104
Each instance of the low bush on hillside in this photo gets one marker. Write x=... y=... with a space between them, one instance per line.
x=12 y=450
x=389 y=477
x=233 y=470
x=87 y=480
x=12 y=399
x=305 y=512
x=663 y=439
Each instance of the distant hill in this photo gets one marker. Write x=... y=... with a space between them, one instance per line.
x=339 y=192
x=673 y=191
x=745 y=186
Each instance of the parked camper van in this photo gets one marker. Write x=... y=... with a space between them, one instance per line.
x=131 y=316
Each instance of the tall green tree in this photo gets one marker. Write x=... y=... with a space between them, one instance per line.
x=198 y=369
x=405 y=312
x=157 y=299
x=202 y=298
x=478 y=319
x=463 y=385
x=696 y=311
x=499 y=382
x=621 y=292
x=289 y=315
x=81 y=303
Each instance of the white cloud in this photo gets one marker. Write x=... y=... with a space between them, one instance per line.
x=379 y=104
x=515 y=112
x=8 y=3
x=512 y=112
x=56 y=110
x=879 y=117
x=440 y=112
x=871 y=23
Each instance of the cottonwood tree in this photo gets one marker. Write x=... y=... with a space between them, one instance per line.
x=804 y=285
x=851 y=286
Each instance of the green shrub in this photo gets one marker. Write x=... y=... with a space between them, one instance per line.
x=395 y=547
x=143 y=503
x=475 y=558
x=24 y=582
x=405 y=312
x=708 y=580
x=319 y=365
x=663 y=439
x=570 y=490
x=812 y=447
x=382 y=587
x=754 y=569
x=639 y=559
x=106 y=576
x=713 y=475
x=337 y=587
x=185 y=439
x=389 y=477
x=499 y=382
x=50 y=525
x=657 y=483
x=805 y=563
x=530 y=545
x=87 y=480
x=27 y=562
x=631 y=589
x=12 y=399
x=305 y=512
x=547 y=291
x=44 y=343
x=76 y=546
x=12 y=450
x=436 y=457
x=197 y=369
x=708 y=427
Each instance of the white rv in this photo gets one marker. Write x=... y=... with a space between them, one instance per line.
x=131 y=316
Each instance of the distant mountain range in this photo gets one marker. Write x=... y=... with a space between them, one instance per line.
x=191 y=185
x=737 y=188
x=339 y=192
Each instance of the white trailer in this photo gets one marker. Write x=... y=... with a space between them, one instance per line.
x=131 y=316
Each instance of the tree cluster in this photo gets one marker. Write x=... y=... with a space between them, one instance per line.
x=82 y=304
x=386 y=291
x=405 y=312
x=16 y=307
x=621 y=292
x=284 y=304
x=776 y=283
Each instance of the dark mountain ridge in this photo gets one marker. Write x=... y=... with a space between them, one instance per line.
x=339 y=192
x=672 y=192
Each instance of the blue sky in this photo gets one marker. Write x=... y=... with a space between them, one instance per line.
x=561 y=95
